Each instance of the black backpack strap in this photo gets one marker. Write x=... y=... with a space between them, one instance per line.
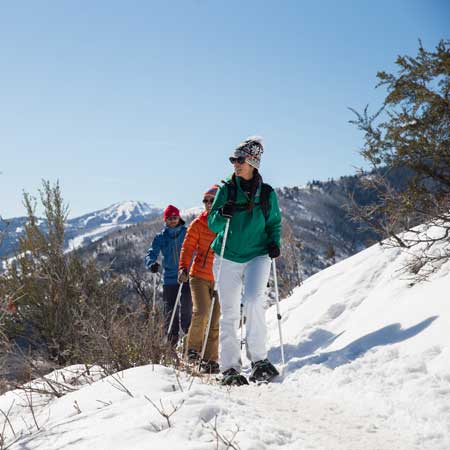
x=232 y=191
x=264 y=195
x=266 y=189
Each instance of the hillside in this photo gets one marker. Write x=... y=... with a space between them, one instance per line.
x=317 y=232
x=368 y=367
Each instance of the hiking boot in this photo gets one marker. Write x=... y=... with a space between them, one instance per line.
x=209 y=367
x=263 y=371
x=193 y=356
x=232 y=377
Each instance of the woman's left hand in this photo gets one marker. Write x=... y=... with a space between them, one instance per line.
x=183 y=276
x=274 y=250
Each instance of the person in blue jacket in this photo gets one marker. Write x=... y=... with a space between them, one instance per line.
x=169 y=242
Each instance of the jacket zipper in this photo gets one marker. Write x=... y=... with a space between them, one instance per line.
x=206 y=255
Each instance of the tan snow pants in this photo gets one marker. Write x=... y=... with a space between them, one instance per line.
x=202 y=292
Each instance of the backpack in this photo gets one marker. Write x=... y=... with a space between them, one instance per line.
x=264 y=195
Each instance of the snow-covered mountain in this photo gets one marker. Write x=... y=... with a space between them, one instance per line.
x=91 y=227
x=87 y=228
x=118 y=213
x=367 y=368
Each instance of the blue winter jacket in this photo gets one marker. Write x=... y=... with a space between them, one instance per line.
x=168 y=242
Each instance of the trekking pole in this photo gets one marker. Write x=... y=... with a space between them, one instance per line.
x=181 y=334
x=277 y=297
x=242 y=325
x=216 y=285
x=174 y=309
x=154 y=293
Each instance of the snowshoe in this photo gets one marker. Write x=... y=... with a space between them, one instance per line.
x=232 y=377
x=211 y=367
x=263 y=371
x=193 y=356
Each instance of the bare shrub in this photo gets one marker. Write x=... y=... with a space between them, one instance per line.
x=57 y=307
x=128 y=340
x=165 y=412
x=290 y=273
x=221 y=437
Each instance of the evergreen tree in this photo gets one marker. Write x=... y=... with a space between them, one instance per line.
x=411 y=134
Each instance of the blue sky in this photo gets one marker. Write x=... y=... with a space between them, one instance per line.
x=145 y=100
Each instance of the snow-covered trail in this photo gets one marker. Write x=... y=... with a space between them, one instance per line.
x=283 y=415
x=275 y=416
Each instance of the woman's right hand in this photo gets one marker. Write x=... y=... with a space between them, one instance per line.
x=227 y=210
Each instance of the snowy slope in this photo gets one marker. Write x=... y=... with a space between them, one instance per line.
x=368 y=367
x=191 y=212
x=91 y=227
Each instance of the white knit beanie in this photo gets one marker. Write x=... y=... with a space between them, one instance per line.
x=252 y=149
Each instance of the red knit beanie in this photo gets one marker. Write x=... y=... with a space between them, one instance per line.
x=171 y=211
x=212 y=190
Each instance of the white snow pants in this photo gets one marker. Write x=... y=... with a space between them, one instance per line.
x=252 y=276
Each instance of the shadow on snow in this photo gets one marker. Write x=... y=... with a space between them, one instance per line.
x=320 y=339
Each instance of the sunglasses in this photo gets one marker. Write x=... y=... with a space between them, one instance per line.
x=172 y=218
x=239 y=160
x=208 y=200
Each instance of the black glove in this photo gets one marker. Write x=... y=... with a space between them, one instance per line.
x=154 y=267
x=183 y=276
x=274 y=250
x=227 y=210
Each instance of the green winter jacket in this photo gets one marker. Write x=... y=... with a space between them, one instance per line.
x=250 y=232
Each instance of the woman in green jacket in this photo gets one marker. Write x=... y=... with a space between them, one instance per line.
x=253 y=239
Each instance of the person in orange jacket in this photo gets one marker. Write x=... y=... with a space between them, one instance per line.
x=201 y=279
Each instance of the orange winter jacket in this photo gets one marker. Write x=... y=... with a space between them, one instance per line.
x=198 y=239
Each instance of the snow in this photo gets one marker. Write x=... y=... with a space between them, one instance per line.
x=94 y=235
x=118 y=216
x=119 y=212
x=367 y=368
x=194 y=211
